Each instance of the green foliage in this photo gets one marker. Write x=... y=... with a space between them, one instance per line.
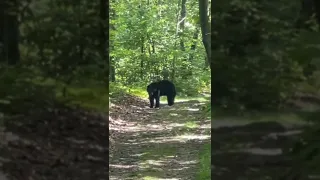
x=22 y=90
x=204 y=172
x=61 y=39
x=145 y=45
x=18 y=93
x=259 y=58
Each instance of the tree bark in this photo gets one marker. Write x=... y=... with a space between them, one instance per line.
x=112 y=69
x=182 y=20
x=194 y=44
x=104 y=34
x=205 y=28
x=9 y=32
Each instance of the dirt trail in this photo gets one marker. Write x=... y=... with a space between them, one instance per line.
x=57 y=143
x=251 y=150
x=157 y=143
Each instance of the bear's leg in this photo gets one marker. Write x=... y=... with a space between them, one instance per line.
x=157 y=99
x=170 y=100
x=151 y=99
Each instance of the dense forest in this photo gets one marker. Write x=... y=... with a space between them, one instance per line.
x=53 y=88
x=265 y=65
x=158 y=40
x=264 y=52
x=151 y=41
x=58 y=58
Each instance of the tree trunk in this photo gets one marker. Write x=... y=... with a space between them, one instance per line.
x=112 y=70
x=194 y=44
x=104 y=34
x=112 y=59
x=182 y=19
x=205 y=28
x=10 y=32
x=142 y=59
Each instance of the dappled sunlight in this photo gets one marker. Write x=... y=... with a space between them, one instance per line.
x=179 y=138
x=126 y=126
x=154 y=141
x=174 y=114
x=159 y=167
x=254 y=146
x=157 y=178
x=174 y=125
x=139 y=155
x=150 y=163
x=193 y=109
x=163 y=161
x=191 y=125
x=166 y=139
x=123 y=166
x=193 y=137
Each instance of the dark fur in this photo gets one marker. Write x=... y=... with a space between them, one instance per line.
x=161 y=88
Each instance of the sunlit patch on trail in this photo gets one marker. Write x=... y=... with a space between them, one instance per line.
x=193 y=109
x=163 y=142
x=155 y=169
x=191 y=99
x=180 y=138
x=193 y=137
x=122 y=166
x=139 y=155
x=147 y=163
x=174 y=114
x=168 y=159
x=156 y=178
x=191 y=124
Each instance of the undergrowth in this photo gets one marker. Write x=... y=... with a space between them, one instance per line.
x=204 y=172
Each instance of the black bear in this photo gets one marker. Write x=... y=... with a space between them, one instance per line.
x=161 y=88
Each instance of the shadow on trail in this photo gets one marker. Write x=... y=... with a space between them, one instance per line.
x=255 y=150
x=156 y=143
x=56 y=142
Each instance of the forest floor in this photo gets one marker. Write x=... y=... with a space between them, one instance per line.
x=252 y=150
x=160 y=143
x=257 y=147
x=54 y=142
x=57 y=142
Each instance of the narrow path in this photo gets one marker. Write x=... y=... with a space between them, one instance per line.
x=252 y=150
x=157 y=143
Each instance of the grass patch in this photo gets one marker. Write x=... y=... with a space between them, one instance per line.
x=94 y=98
x=149 y=178
x=191 y=125
x=197 y=98
x=142 y=93
x=92 y=95
x=116 y=89
x=204 y=172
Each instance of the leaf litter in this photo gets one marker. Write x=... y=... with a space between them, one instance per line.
x=56 y=142
x=147 y=142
